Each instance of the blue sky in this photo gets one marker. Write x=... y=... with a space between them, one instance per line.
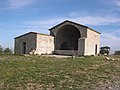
x=20 y=16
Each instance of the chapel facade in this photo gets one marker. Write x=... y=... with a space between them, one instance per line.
x=66 y=38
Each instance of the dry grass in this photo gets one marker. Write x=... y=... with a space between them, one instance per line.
x=45 y=73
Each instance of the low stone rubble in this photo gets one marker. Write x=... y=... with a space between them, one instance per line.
x=111 y=58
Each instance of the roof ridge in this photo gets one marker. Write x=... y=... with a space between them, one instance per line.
x=73 y=23
x=31 y=32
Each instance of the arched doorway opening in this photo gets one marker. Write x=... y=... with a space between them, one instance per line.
x=67 y=38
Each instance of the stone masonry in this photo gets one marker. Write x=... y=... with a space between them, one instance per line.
x=36 y=43
x=67 y=38
x=80 y=38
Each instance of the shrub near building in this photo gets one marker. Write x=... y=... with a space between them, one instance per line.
x=1 y=49
x=105 y=50
x=117 y=53
x=5 y=51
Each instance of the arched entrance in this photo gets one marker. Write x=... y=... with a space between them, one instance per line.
x=67 y=38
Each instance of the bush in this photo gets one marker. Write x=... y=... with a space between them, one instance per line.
x=1 y=49
x=117 y=53
x=7 y=51
x=105 y=50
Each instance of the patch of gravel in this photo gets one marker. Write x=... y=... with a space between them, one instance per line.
x=0 y=58
x=113 y=84
x=57 y=56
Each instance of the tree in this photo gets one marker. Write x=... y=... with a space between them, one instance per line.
x=117 y=53
x=1 y=49
x=7 y=51
x=105 y=50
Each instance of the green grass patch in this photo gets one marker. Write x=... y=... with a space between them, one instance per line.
x=18 y=72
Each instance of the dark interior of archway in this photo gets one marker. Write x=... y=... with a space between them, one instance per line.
x=67 y=38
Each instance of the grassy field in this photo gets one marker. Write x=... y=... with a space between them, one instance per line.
x=45 y=73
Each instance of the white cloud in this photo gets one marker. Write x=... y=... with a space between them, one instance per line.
x=97 y=20
x=116 y=2
x=42 y=25
x=46 y=23
x=13 y=4
x=111 y=39
x=86 y=20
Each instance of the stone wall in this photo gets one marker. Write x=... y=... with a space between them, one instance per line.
x=35 y=44
x=45 y=44
x=64 y=35
x=91 y=41
x=29 y=39
x=83 y=30
x=66 y=52
x=81 y=46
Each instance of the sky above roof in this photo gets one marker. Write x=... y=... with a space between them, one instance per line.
x=21 y=16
